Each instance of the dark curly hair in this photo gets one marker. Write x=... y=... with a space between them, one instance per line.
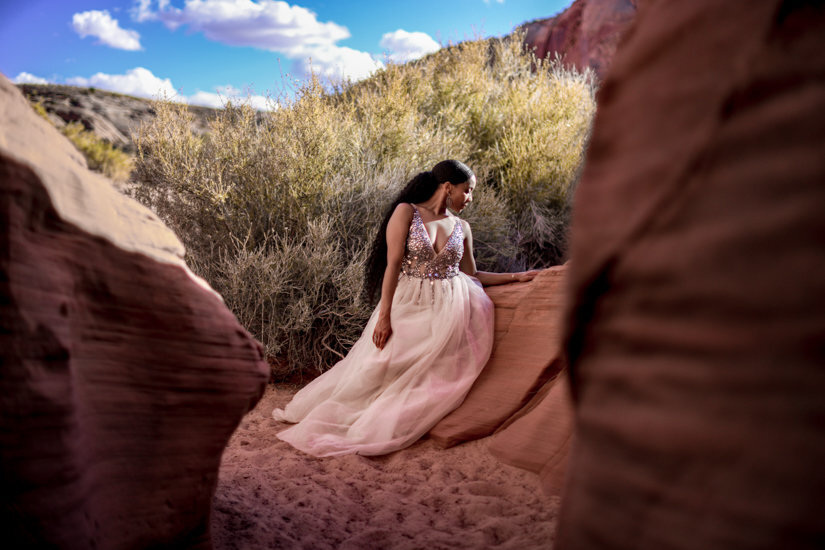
x=417 y=190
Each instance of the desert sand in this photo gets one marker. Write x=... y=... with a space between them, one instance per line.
x=270 y=495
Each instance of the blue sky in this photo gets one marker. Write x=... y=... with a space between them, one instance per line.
x=204 y=51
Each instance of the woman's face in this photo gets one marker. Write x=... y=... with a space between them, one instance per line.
x=462 y=194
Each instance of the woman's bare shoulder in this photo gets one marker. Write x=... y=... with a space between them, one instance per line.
x=403 y=214
x=403 y=211
x=404 y=207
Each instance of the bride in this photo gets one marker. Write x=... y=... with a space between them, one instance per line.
x=427 y=340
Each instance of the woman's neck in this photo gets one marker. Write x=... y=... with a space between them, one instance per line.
x=437 y=206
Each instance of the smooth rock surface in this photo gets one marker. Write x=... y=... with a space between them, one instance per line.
x=123 y=375
x=697 y=324
x=528 y=339
x=538 y=437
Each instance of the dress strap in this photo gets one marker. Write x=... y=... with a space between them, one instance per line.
x=415 y=213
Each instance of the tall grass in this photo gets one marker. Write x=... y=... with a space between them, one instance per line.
x=278 y=209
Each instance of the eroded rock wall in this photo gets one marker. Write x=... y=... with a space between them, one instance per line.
x=122 y=375
x=696 y=327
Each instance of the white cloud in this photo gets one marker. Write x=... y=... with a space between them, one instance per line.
x=142 y=11
x=497 y=1
x=138 y=82
x=101 y=25
x=208 y=99
x=141 y=82
x=28 y=78
x=404 y=46
x=222 y=94
x=265 y=24
x=336 y=63
x=271 y=25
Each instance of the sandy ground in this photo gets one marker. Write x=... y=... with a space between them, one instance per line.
x=270 y=495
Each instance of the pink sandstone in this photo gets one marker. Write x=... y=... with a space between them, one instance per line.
x=528 y=341
x=123 y=375
x=696 y=337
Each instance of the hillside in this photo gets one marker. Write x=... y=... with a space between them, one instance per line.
x=112 y=117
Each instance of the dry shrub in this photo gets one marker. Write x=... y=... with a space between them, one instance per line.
x=277 y=209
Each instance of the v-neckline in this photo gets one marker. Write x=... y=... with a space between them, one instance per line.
x=427 y=233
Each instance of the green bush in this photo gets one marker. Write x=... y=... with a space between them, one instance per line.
x=40 y=110
x=100 y=155
x=278 y=209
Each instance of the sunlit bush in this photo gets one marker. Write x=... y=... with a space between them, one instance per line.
x=277 y=209
x=100 y=155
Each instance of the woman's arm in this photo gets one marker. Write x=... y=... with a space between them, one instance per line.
x=490 y=279
x=468 y=265
x=397 y=230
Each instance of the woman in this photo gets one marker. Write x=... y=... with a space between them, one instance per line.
x=427 y=340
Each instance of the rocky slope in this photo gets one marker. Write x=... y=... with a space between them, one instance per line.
x=113 y=117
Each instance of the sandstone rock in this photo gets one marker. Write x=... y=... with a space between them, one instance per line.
x=123 y=375
x=697 y=334
x=585 y=35
x=527 y=341
x=538 y=437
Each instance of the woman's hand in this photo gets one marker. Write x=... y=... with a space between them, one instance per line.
x=524 y=276
x=490 y=279
x=382 y=332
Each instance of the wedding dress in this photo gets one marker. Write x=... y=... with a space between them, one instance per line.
x=375 y=401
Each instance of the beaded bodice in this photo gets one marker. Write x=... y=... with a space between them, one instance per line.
x=420 y=258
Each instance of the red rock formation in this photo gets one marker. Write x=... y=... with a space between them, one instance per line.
x=538 y=437
x=585 y=35
x=123 y=376
x=527 y=342
x=697 y=339
x=522 y=394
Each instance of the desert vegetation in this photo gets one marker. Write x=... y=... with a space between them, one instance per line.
x=277 y=209
x=100 y=155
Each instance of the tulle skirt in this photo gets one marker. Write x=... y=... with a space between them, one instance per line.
x=375 y=401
